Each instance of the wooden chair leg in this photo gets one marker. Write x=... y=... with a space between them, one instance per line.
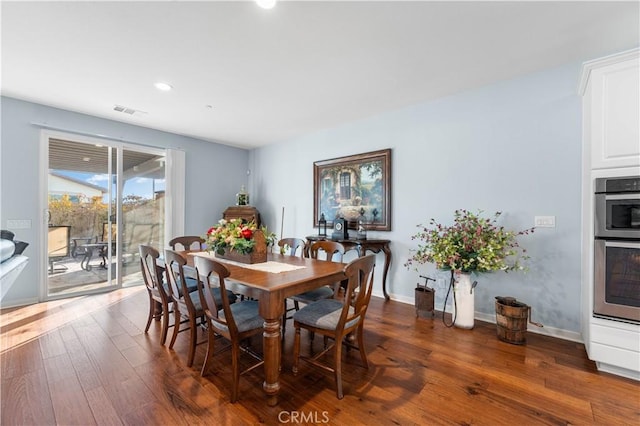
x=296 y=351
x=337 y=372
x=210 y=349
x=363 y=354
x=152 y=306
x=165 y=323
x=193 y=340
x=176 y=327
x=235 y=365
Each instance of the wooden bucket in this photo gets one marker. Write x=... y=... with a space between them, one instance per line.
x=511 y=320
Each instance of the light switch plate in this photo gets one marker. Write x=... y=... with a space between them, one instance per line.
x=545 y=221
x=19 y=223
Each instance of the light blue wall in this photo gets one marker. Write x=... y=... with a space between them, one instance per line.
x=214 y=173
x=513 y=147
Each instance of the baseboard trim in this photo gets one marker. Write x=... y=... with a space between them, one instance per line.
x=19 y=303
x=491 y=318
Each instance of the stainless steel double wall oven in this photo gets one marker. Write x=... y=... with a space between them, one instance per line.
x=617 y=248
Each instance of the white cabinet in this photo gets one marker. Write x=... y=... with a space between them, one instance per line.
x=611 y=102
x=611 y=148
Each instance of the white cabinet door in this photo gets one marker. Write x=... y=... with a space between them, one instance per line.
x=613 y=118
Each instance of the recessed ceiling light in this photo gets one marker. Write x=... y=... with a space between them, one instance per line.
x=165 y=87
x=266 y=4
x=86 y=158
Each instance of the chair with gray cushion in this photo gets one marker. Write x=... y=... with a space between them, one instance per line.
x=336 y=318
x=186 y=301
x=291 y=247
x=158 y=290
x=333 y=252
x=236 y=322
x=187 y=243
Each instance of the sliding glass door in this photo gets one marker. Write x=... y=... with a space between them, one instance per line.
x=143 y=207
x=104 y=199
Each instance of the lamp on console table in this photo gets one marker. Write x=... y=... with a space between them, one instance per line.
x=322 y=226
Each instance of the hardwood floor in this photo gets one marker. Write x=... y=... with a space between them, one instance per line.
x=86 y=361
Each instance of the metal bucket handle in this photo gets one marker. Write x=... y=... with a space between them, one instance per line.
x=529 y=315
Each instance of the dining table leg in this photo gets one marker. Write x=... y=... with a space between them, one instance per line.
x=271 y=308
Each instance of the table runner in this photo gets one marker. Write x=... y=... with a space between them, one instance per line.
x=270 y=266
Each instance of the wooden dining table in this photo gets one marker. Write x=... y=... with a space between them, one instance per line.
x=271 y=289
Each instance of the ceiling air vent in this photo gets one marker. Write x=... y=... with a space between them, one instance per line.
x=127 y=110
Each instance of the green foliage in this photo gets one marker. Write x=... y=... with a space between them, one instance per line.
x=471 y=244
x=236 y=235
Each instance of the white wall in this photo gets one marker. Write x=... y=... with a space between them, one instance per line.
x=214 y=173
x=513 y=147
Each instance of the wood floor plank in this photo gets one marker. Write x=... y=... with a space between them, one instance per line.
x=26 y=400
x=59 y=368
x=22 y=360
x=67 y=333
x=101 y=407
x=52 y=345
x=70 y=403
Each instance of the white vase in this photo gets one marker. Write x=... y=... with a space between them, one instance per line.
x=464 y=306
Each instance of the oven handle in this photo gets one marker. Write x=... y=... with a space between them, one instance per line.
x=621 y=244
x=622 y=196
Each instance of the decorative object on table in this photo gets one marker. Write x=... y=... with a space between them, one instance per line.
x=473 y=244
x=340 y=231
x=248 y=213
x=242 y=197
x=511 y=320
x=342 y=187
x=322 y=226
x=361 y=233
x=425 y=297
x=239 y=241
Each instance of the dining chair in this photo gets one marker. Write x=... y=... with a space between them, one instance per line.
x=152 y=275
x=334 y=252
x=186 y=300
x=187 y=243
x=290 y=246
x=335 y=319
x=236 y=322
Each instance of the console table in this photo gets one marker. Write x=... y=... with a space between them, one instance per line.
x=363 y=246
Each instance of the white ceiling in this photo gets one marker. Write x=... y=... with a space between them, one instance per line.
x=271 y=75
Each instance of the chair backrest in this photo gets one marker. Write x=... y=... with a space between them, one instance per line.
x=151 y=271
x=211 y=274
x=359 y=273
x=334 y=250
x=187 y=243
x=293 y=244
x=174 y=266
